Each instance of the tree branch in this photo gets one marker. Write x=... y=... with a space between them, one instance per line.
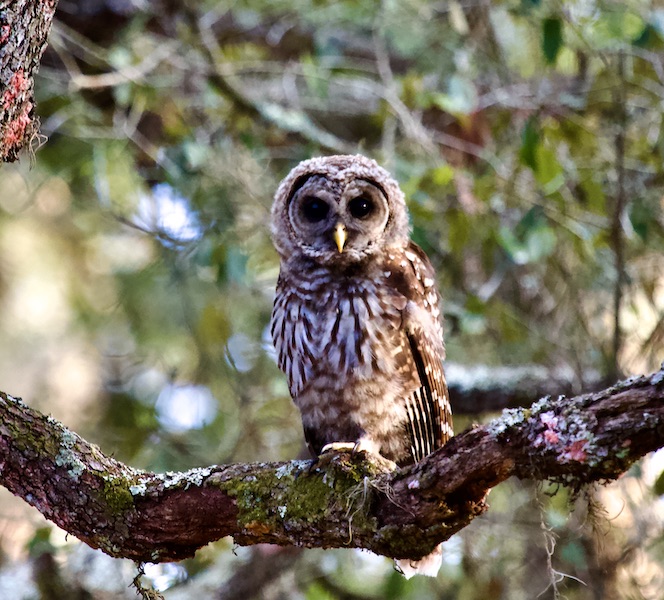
x=294 y=121
x=349 y=502
x=479 y=389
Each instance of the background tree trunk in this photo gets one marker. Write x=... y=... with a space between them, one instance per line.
x=24 y=27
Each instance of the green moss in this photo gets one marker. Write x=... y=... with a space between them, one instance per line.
x=117 y=496
x=291 y=493
x=264 y=498
x=20 y=428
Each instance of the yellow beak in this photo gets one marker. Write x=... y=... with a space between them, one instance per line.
x=340 y=236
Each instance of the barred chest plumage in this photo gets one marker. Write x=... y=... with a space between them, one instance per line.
x=327 y=325
x=340 y=342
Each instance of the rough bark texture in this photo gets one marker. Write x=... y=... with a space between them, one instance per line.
x=348 y=502
x=24 y=27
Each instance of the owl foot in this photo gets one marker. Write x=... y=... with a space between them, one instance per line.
x=371 y=450
x=329 y=452
x=362 y=446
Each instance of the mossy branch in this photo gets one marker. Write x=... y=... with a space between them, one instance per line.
x=349 y=502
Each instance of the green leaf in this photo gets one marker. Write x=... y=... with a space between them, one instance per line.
x=658 y=488
x=119 y=186
x=593 y=195
x=531 y=240
x=549 y=173
x=530 y=138
x=460 y=231
x=441 y=176
x=649 y=37
x=318 y=592
x=552 y=38
x=317 y=79
x=643 y=40
x=41 y=542
x=642 y=218
x=213 y=326
x=460 y=99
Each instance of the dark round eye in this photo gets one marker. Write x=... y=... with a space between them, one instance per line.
x=314 y=209
x=361 y=207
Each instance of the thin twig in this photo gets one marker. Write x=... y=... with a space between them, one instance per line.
x=617 y=239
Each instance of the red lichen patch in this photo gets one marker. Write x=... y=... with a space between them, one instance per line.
x=4 y=33
x=576 y=451
x=49 y=9
x=549 y=437
x=14 y=132
x=18 y=84
x=562 y=436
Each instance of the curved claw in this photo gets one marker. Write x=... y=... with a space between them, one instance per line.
x=339 y=447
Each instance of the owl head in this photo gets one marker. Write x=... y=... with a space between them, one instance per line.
x=338 y=210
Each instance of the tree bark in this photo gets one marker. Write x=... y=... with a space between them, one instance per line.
x=346 y=501
x=24 y=27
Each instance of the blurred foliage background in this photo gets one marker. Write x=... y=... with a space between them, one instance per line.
x=137 y=273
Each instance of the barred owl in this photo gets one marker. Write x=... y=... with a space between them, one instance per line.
x=356 y=319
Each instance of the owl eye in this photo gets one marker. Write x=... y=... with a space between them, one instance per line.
x=314 y=209
x=361 y=207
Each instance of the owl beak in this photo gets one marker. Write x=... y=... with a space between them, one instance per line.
x=340 y=236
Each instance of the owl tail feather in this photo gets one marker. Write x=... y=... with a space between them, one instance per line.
x=429 y=565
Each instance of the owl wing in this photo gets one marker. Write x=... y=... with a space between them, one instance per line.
x=428 y=407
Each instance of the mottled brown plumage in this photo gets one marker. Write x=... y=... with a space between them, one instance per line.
x=357 y=331
x=356 y=319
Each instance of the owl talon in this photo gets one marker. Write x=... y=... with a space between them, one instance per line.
x=339 y=447
x=328 y=452
x=367 y=446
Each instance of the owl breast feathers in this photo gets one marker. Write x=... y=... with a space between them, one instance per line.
x=356 y=319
